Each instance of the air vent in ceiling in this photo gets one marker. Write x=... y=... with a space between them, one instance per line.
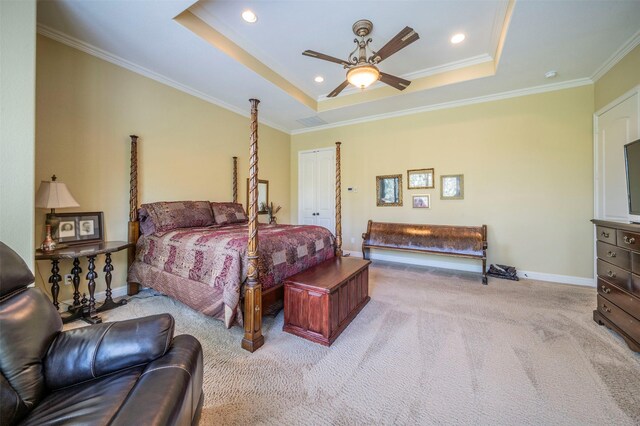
x=312 y=121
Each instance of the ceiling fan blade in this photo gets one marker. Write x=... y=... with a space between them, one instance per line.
x=338 y=89
x=393 y=81
x=324 y=57
x=400 y=41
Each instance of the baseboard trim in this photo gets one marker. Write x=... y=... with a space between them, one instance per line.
x=99 y=296
x=540 y=276
x=559 y=279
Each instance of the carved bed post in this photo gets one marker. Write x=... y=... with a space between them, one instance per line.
x=338 y=203
x=253 y=337
x=235 y=179
x=134 y=225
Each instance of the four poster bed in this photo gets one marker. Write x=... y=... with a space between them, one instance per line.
x=200 y=252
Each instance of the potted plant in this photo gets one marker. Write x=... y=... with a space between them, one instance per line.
x=271 y=211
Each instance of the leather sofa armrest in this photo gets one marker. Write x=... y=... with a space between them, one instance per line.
x=170 y=388
x=86 y=353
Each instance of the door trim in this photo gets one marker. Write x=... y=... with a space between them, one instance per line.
x=596 y=149
x=300 y=153
x=596 y=143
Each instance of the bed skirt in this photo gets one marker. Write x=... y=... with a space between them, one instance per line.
x=199 y=296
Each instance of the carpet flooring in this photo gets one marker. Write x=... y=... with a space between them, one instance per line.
x=431 y=347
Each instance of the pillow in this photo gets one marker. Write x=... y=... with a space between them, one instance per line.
x=225 y=213
x=168 y=215
x=147 y=226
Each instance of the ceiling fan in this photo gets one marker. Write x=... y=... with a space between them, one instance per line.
x=362 y=70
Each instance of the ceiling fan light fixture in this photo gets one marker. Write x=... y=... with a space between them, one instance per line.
x=363 y=76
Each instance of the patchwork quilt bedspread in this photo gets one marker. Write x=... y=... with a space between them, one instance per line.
x=217 y=257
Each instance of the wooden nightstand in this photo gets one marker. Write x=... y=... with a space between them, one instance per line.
x=84 y=309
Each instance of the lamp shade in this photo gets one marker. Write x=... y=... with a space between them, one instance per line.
x=54 y=195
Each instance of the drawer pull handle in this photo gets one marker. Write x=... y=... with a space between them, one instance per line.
x=611 y=254
x=606 y=290
x=628 y=240
x=611 y=274
x=606 y=309
x=605 y=234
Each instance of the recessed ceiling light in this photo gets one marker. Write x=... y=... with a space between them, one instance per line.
x=319 y=79
x=457 y=38
x=249 y=16
x=550 y=74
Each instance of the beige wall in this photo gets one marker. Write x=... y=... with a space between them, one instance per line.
x=86 y=108
x=527 y=165
x=624 y=76
x=17 y=118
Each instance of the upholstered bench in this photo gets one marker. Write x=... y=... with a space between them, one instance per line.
x=448 y=240
x=319 y=303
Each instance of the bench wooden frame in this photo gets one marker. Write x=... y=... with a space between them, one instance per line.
x=430 y=245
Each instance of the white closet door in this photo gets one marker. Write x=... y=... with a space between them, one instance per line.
x=306 y=191
x=316 y=188
x=615 y=127
x=325 y=189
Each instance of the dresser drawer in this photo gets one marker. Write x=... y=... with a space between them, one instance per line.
x=607 y=235
x=614 y=254
x=624 y=300
x=635 y=263
x=620 y=318
x=628 y=240
x=614 y=274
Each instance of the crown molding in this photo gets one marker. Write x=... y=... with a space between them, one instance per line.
x=454 y=104
x=627 y=47
x=121 y=62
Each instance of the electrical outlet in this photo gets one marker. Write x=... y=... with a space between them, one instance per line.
x=68 y=279
x=353 y=240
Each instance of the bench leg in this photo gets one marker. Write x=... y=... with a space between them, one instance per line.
x=484 y=272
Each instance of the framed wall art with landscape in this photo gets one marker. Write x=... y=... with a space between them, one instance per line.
x=452 y=187
x=420 y=179
x=389 y=190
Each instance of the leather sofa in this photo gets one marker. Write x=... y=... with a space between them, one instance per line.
x=119 y=373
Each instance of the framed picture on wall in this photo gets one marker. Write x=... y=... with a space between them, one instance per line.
x=263 y=195
x=389 y=190
x=80 y=228
x=422 y=201
x=452 y=187
x=420 y=179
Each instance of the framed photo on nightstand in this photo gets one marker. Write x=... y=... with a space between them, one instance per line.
x=79 y=228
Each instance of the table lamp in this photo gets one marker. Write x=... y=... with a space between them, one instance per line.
x=54 y=195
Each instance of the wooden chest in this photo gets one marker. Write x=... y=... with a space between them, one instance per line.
x=618 y=269
x=319 y=303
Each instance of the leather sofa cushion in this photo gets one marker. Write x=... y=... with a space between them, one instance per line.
x=89 y=352
x=179 y=375
x=93 y=402
x=28 y=326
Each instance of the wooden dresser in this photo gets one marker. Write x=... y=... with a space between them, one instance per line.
x=618 y=268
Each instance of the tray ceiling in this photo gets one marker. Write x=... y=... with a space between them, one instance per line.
x=206 y=49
